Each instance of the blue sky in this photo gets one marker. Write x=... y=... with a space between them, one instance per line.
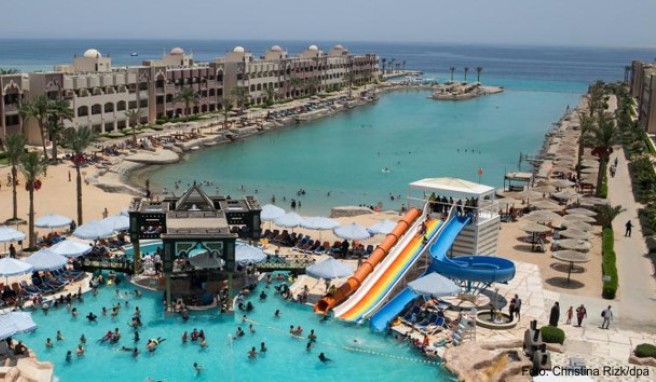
x=628 y=23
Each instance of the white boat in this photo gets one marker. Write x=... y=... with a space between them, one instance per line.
x=134 y=54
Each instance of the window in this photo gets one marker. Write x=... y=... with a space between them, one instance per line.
x=109 y=107
x=120 y=106
x=82 y=111
x=133 y=105
x=96 y=109
x=143 y=103
x=12 y=120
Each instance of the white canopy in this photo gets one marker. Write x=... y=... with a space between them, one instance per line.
x=46 y=260
x=352 y=231
x=9 y=234
x=452 y=185
x=52 y=221
x=13 y=267
x=289 y=220
x=117 y=222
x=70 y=248
x=15 y=322
x=94 y=230
x=383 y=227
x=319 y=223
x=271 y=212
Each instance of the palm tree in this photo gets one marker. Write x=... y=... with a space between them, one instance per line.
x=586 y=124
x=227 y=107
x=32 y=166
x=241 y=96
x=39 y=109
x=59 y=110
x=15 y=149
x=133 y=117
x=452 y=69
x=188 y=96
x=391 y=63
x=77 y=141
x=312 y=85
x=606 y=213
x=8 y=71
x=270 y=95
x=479 y=69
x=604 y=136
x=295 y=83
x=466 y=70
x=383 y=60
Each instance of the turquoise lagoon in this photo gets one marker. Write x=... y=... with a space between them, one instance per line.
x=414 y=137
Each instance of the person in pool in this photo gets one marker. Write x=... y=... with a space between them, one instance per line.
x=252 y=353
x=276 y=314
x=312 y=337
x=240 y=332
x=91 y=317
x=49 y=343
x=263 y=348
x=323 y=358
x=308 y=347
x=263 y=296
x=185 y=337
x=197 y=367
x=69 y=356
x=83 y=339
x=80 y=350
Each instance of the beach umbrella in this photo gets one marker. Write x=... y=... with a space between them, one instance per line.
x=12 y=323
x=46 y=260
x=70 y=248
x=271 y=212
x=546 y=205
x=9 y=234
x=581 y=211
x=532 y=227
x=434 y=285
x=544 y=188
x=529 y=194
x=94 y=230
x=117 y=222
x=53 y=221
x=565 y=195
x=574 y=244
x=289 y=220
x=577 y=225
x=245 y=254
x=573 y=233
x=329 y=269
x=593 y=200
x=383 y=227
x=13 y=267
x=542 y=216
x=319 y=223
x=571 y=257
x=206 y=260
x=580 y=218
x=561 y=183
x=352 y=231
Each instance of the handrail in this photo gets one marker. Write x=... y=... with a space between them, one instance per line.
x=426 y=247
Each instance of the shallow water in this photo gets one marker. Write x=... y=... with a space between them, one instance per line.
x=378 y=358
x=414 y=137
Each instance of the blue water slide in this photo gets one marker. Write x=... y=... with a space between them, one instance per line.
x=393 y=308
x=485 y=269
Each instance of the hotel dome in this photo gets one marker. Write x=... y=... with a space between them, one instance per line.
x=177 y=51
x=276 y=48
x=339 y=46
x=92 y=53
x=239 y=49
x=313 y=47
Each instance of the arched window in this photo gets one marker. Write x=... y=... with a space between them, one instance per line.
x=83 y=111
x=120 y=105
x=109 y=107
x=96 y=109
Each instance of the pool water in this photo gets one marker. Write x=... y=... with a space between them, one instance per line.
x=147 y=248
x=378 y=358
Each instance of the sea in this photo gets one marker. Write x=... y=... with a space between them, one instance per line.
x=367 y=156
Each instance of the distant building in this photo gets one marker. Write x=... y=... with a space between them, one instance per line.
x=101 y=95
x=643 y=88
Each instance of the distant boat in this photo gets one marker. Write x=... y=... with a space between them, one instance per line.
x=134 y=54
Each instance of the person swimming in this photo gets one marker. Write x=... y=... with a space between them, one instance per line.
x=308 y=347
x=69 y=356
x=80 y=350
x=312 y=337
x=323 y=358
x=252 y=353
x=197 y=367
x=276 y=314
x=185 y=337
x=91 y=317
x=240 y=332
x=49 y=343
x=263 y=348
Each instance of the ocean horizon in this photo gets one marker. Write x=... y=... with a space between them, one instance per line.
x=343 y=155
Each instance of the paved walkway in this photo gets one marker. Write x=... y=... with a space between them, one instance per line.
x=637 y=292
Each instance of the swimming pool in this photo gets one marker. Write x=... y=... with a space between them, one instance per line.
x=377 y=358
x=148 y=247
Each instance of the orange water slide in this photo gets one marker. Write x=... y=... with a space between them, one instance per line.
x=324 y=305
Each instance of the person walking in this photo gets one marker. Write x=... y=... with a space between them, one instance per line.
x=628 y=226
x=607 y=315
x=581 y=313
x=511 y=308
x=555 y=315
x=12 y=251
x=570 y=314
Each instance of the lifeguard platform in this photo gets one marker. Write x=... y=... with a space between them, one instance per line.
x=481 y=235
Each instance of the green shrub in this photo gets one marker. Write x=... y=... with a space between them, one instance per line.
x=608 y=264
x=643 y=179
x=645 y=350
x=552 y=335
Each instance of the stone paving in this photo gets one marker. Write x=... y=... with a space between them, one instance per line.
x=588 y=341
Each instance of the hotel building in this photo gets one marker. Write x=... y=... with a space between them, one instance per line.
x=643 y=89
x=101 y=95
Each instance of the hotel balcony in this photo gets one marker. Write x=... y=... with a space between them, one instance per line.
x=11 y=108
